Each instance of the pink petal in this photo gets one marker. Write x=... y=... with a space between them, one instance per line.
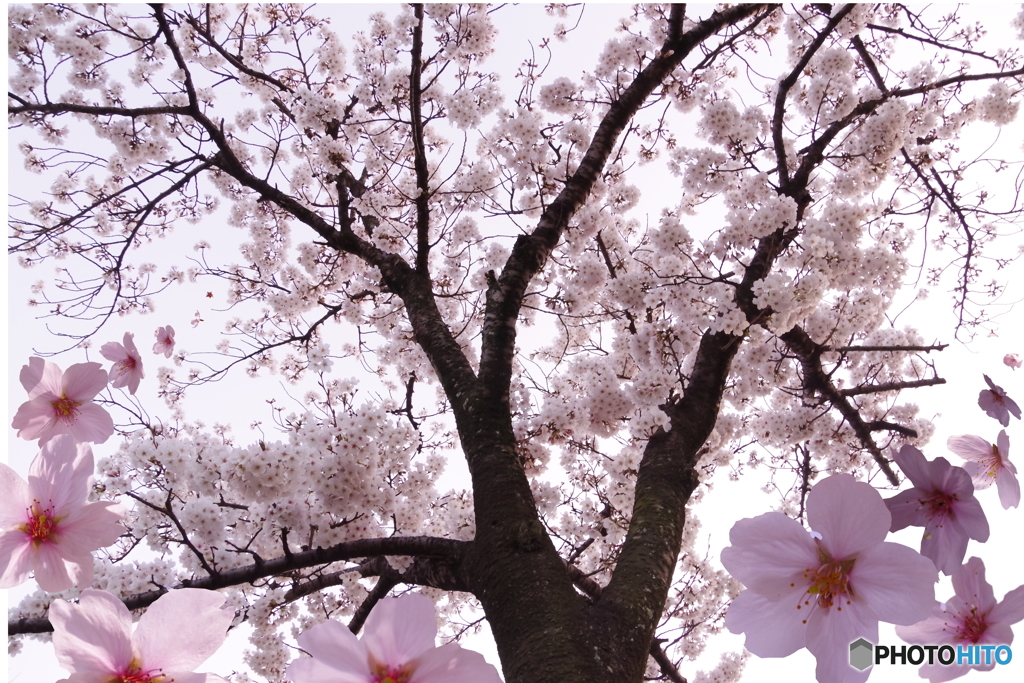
x=774 y=628
x=93 y=636
x=970 y=447
x=309 y=670
x=451 y=664
x=971 y=518
x=970 y=585
x=60 y=474
x=182 y=630
x=945 y=545
x=829 y=634
x=849 y=515
x=91 y=526
x=15 y=498
x=906 y=509
x=401 y=629
x=15 y=558
x=928 y=631
x=334 y=647
x=113 y=351
x=936 y=673
x=914 y=466
x=1009 y=489
x=1010 y=610
x=55 y=571
x=896 y=582
x=83 y=381
x=41 y=377
x=35 y=419
x=769 y=552
x=94 y=424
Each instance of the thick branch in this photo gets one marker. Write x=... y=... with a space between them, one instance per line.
x=421 y=546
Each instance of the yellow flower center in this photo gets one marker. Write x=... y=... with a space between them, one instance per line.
x=829 y=583
x=41 y=524
x=381 y=673
x=65 y=408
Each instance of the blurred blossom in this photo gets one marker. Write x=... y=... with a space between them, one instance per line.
x=997 y=404
x=61 y=403
x=988 y=463
x=127 y=370
x=46 y=525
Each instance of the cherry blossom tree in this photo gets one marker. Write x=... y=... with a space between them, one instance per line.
x=602 y=287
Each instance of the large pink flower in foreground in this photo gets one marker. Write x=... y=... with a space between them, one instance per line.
x=46 y=525
x=988 y=463
x=61 y=402
x=180 y=631
x=943 y=502
x=164 y=341
x=971 y=617
x=824 y=593
x=997 y=404
x=397 y=647
x=127 y=370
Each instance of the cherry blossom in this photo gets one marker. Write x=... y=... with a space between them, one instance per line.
x=127 y=370
x=61 y=403
x=397 y=647
x=181 y=630
x=943 y=502
x=971 y=617
x=1012 y=360
x=164 y=341
x=987 y=463
x=997 y=404
x=46 y=525
x=824 y=591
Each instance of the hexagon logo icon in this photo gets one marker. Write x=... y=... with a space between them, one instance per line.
x=861 y=654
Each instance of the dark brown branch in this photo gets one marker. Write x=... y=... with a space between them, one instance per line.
x=891 y=386
x=420 y=546
x=846 y=349
x=419 y=148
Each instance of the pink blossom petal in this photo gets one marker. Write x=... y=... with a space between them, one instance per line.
x=400 y=630
x=332 y=646
x=970 y=585
x=309 y=670
x=35 y=419
x=182 y=630
x=970 y=447
x=94 y=424
x=15 y=558
x=896 y=582
x=773 y=628
x=93 y=636
x=829 y=635
x=55 y=571
x=15 y=498
x=849 y=515
x=971 y=518
x=60 y=474
x=769 y=552
x=452 y=664
x=41 y=377
x=936 y=673
x=906 y=510
x=83 y=381
x=1011 y=609
x=1009 y=490
x=927 y=631
x=91 y=526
